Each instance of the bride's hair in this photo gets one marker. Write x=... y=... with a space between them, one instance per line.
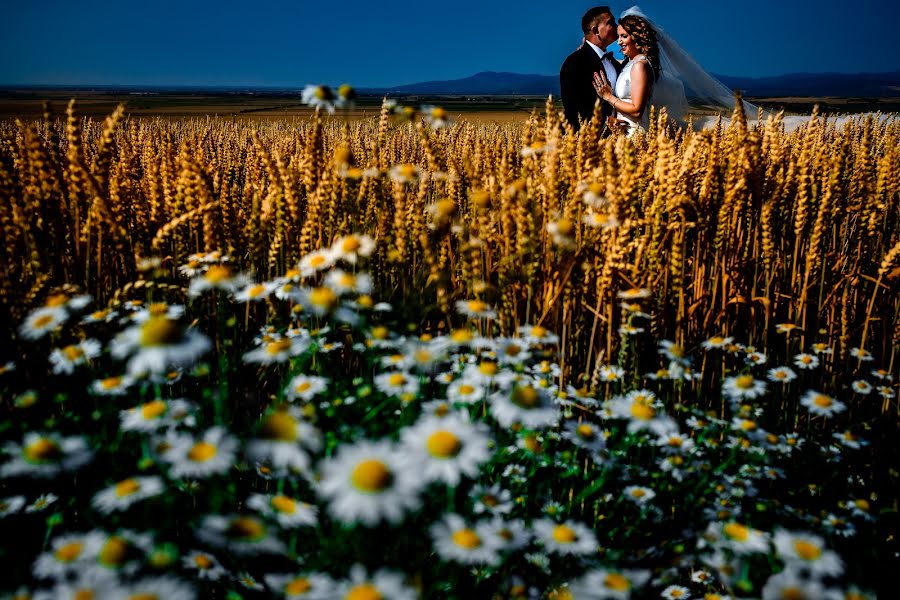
x=644 y=38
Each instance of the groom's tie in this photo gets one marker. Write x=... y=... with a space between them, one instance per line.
x=608 y=55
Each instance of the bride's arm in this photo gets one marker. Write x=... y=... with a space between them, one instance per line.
x=640 y=92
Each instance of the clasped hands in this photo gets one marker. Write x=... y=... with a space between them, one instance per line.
x=603 y=87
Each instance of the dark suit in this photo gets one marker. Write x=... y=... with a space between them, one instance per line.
x=576 y=85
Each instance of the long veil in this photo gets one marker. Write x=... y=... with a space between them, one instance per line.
x=682 y=76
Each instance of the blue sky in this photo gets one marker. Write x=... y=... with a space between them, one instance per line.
x=291 y=43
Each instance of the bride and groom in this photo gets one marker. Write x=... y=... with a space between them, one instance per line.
x=656 y=72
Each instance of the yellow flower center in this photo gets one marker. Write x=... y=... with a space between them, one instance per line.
x=793 y=593
x=110 y=383
x=202 y=561
x=298 y=586
x=283 y=504
x=565 y=226
x=807 y=550
x=466 y=538
x=217 y=274
x=526 y=397
x=466 y=389
x=323 y=297
x=736 y=531
x=443 y=444
x=476 y=306
x=73 y=353
x=83 y=595
x=397 y=379
x=202 y=452
x=642 y=410
x=618 y=582
x=114 y=551
x=42 y=321
x=69 y=552
x=278 y=346
x=585 y=431
x=488 y=368
x=42 y=450
x=862 y=504
x=127 y=487
x=352 y=243
x=822 y=401
x=806 y=359
x=461 y=336
x=256 y=290
x=365 y=591
x=744 y=382
x=371 y=476
x=153 y=409
x=563 y=534
x=160 y=331
x=246 y=528
x=281 y=426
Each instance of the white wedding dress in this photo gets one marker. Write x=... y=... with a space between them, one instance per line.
x=623 y=91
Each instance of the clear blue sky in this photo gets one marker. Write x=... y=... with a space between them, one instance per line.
x=368 y=43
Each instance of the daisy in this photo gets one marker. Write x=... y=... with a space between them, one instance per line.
x=288 y=511
x=158 y=309
x=351 y=248
x=739 y=538
x=158 y=345
x=475 y=309
x=41 y=503
x=369 y=482
x=343 y=283
x=629 y=329
x=600 y=220
x=527 y=405
x=454 y=540
x=318 y=96
x=383 y=584
x=46 y=455
x=806 y=361
x=203 y=565
x=674 y=442
x=305 y=387
x=241 y=534
x=277 y=350
x=818 y=403
x=435 y=116
x=882 y=375
x=446 y=449
x=253 y=292
x=123 y=494
x=494 y=500
x=511 y=351
x=603 y=584
x=885 y=391
x=639 y=495
x=756 y=358
x=562 y=232
x=781 y=374
x=397 y=384
x=610 y=373
x=535 y=335
x=217 y=277
x=164 y=587
x=311 y=586
x=806 y=550
x=211 y=454
x=785 y=327
x=536 y=148
x=42 y=321
x=116 y=385
x=68 y=554
x=672 y=351
x=568 y=538
x=640 y=407
x=465 y=391
x=822 y=348
x=634 y=293
x=743 y=387
x=405 y=173
x=585 y=435
x=155 y=415
x=789 y=584
x=508 y=535
x=283 y=441
x=676 y=592
x=11 y=505
x=861 y=386
x=86 y=585
x=717 y=341
x=861 y=354
x=64 y=360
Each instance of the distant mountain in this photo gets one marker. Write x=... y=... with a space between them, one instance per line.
x=491 y=83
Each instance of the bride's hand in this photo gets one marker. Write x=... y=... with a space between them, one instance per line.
x=601 y=84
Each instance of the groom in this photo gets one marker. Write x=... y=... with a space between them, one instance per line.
x=577 y=73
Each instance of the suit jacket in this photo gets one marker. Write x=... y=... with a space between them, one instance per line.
x=576 y=85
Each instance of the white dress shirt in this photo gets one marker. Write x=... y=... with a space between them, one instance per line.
x=607 y=64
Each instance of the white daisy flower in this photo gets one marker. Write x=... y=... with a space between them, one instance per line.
x=123 y=494
x=241 y=534
x=310 y=586
x=405 y=173
x=277 y=350
x=512 y=351
x=318 y=96
x=639 y=494
x=526 y=404
x=593 y=194
x=568 y=538
x=806 y=550
x=11 y=505
x=447 y=449
x=509 y=535
x=68 y=554
x=675 y=443
x=343 y=283
x=253 y=292
x=64 y=360
x=45 y=455
x=42 y=321
x=861 y=354
x=116 y=385
x=203 y=565
x=536 y=148
x=493 y=500
x=806 y=361
x=465 y=391
x=634 y=293
x=475 y=309
x=397 y=384
x=610 y=373
x=351 y=248
x=821 y=404
x=781 y=375
x=289 y=512
x=369 y=482
x=882 y=374
x=756 y=358
x=157 y=309
x=283 y=441
x=717 y=341
x=739 y=538
x=382 y=584
x=562 y=232
x=86 y=585
x=743 y=387
x=158 y=345
x=287 y=291
x=156 y=414
x=585 y=435
x=305 y=387
x=189 y=457
x=455 y=540
x=603 y=584
x=789 y=584
x=537 y=335
x=316 y=261
x=218 y=277
x=861 y=386
x=641 y=408
x=676 y=592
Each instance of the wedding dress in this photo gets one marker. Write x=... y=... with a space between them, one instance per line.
x=623 y=91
